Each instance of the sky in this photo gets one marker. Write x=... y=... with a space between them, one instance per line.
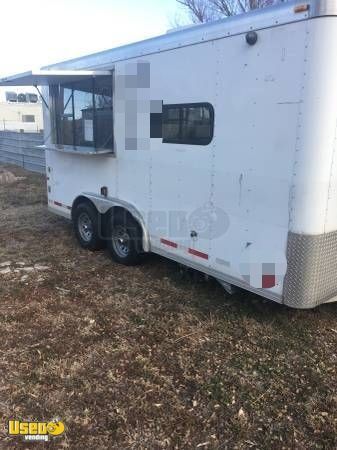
x=36 y=33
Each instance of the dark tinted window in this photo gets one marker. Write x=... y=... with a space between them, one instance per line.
x=171 y=123
x=28 y=118
x=188 y=123
x=22 y=98
x=32 y=98
x=11 y=96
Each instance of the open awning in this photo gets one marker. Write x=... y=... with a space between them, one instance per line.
x=49 y=77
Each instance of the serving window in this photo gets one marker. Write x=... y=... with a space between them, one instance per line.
x=82 y=113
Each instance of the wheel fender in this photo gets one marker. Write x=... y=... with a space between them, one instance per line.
x=103 y=204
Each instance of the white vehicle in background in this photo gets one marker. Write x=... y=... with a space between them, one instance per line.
x=214 y=146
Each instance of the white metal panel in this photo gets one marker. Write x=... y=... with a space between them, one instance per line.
x=49 y=77
x=256 y=134
x=319 y=8
x=314 y=184
x=181 y=174
x=71 y=175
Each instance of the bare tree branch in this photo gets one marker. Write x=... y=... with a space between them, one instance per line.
x=209 y=10
x=200 y=10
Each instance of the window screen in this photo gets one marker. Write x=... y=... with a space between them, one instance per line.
x=66 y=116
x=103 y=108
x=188 y=123
x=83 y=109
x=83 y=113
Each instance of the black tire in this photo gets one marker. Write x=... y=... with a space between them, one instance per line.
x=124 y=240
x=87 y=226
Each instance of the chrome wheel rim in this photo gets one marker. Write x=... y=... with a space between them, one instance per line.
x=121 y=242
x=85 y=227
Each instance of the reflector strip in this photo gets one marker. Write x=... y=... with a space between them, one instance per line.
x=169 y=243
x=61 y=205
x=191 y=251
x=194 y=252
x=268 y=281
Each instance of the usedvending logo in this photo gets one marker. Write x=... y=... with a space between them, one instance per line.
x=35 y=431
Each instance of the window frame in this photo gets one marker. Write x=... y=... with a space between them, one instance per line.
x=185 y=141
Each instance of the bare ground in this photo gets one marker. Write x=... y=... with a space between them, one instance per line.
x=145 y=358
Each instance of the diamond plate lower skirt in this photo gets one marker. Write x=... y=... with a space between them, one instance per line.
x=311 y=277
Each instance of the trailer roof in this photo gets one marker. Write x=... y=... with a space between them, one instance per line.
x=258 y=19
x=289 y=12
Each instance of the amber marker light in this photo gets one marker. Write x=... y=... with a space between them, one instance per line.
x=301 y=8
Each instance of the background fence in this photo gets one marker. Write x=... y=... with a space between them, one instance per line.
x=20 y=149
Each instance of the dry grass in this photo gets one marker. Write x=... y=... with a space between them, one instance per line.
x=144 y=358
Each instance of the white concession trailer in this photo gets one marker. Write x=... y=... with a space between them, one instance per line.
x=214 y=146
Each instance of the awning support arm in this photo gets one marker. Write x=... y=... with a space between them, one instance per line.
x=43 y=99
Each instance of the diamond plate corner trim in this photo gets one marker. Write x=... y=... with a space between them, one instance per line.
x=311 y=277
